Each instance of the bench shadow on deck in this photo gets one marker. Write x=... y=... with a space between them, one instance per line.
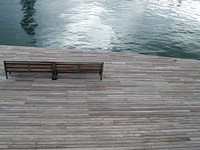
x=143 y=102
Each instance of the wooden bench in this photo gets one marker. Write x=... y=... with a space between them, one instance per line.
x=79 y=67
x=29 y=66
x=54 y=68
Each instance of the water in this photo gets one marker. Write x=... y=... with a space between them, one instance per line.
x=154 y=27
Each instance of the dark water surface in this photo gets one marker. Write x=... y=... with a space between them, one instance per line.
x=154 y=27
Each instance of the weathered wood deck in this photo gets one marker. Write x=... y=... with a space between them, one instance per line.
x=143 y=102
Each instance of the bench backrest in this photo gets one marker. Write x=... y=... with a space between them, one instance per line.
x=28 y=66
x=81 y=67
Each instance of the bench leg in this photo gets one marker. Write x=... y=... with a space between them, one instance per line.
x=54 y=77
x=101 y=76
x=54 y=71
x=6 y=75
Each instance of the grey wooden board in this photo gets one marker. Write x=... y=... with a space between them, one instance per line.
x=143 y=102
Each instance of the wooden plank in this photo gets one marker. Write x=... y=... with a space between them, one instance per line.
x=144 y=102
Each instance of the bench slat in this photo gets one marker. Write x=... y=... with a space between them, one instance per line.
x=40 y=70
x=15 y=65
x=17 y=70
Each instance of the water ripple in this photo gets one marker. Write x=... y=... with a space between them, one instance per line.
x=154 y=27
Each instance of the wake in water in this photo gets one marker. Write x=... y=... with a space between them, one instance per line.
x=154 y=27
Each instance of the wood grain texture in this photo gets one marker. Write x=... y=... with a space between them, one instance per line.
x=142 y=103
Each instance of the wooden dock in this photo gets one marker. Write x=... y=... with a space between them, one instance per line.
x=142 y=103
